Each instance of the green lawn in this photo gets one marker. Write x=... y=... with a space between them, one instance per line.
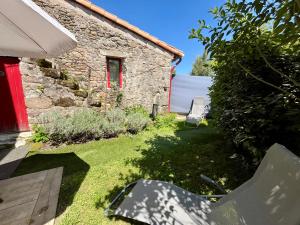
x=96 y=171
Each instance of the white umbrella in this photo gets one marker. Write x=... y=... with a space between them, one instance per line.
x=28 y=31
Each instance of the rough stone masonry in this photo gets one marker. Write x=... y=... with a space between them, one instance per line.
x=78 y=78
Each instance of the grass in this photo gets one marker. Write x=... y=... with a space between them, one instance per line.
x=96 y=171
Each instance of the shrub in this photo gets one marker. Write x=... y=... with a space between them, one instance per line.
x=256 y=90
x=252 y=114
x=81 y=126
x=136 y=122
x=87 y=124
x=136 y=109
x=165 y=120
x=40 y=134
x=116 y=121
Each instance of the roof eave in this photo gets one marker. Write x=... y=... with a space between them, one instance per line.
x=177 y=53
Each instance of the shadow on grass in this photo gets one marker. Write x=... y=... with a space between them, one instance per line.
x=75 y=170
x=182 y=158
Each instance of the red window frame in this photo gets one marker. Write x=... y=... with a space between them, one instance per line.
x=108 y=71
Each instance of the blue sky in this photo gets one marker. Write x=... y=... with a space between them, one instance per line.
x=168 y=20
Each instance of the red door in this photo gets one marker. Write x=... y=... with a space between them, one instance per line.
x=13 y=115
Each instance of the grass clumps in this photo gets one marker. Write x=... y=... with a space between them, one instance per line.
x=165 y=120
x=137 y=109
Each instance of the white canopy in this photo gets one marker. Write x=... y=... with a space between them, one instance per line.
x=28 y=31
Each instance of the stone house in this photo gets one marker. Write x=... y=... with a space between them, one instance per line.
x=114 y=64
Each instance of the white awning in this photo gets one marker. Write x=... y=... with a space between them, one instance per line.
x=28 y=31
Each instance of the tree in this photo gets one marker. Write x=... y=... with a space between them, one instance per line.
x=202 y=66
x=256 y=90
x=244 y=20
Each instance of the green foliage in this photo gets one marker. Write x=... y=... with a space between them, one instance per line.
x=136 y=109
x=119 y=99
x=137 y=118
x=202 y=66
x=40 y=88
x=116 y=115
x=243 y=19
x=116 y=122
x=44 y=63
x=256 y=90
x=203 y=123
x=39 y=134
x=81 y=126
x=96 y=171
x=86 y=124
x=165 y=120
x=64 y=75
x=137 y=121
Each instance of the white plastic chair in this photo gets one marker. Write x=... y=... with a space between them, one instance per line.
x=197 y=112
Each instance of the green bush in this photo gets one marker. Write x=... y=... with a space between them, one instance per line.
x=254 y=104
x=255 y=115
x=136 y=109
x=40 y=134
x=86 y=124
x=81 y=126
x=136 y=122
x=116 y=122
x=165 y=120
x=256 y=91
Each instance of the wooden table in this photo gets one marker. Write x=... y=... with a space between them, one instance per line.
x=31 y=198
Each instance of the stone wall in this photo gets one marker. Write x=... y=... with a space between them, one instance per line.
x=45 y=91
x=146 y=66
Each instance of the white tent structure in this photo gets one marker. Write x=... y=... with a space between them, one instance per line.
x=28 y=31
x=185 y=88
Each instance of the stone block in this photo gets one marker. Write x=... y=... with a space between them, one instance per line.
x=64 y=102
x=72 y=84
x=50 y=72
x=38 y=103
x=81 y=93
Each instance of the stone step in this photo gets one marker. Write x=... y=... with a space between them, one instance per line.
x=6 y=146
x=6 y=136
x=10 y=159
x=14 y=139
x=13 y=143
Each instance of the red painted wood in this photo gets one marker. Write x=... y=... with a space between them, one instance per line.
x=120 y=73
x=108 y=73
x=13 y=115
x=170 y=88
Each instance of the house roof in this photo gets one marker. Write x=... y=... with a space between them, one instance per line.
x=123 y=23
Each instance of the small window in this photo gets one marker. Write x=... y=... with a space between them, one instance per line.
x=114 y=72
